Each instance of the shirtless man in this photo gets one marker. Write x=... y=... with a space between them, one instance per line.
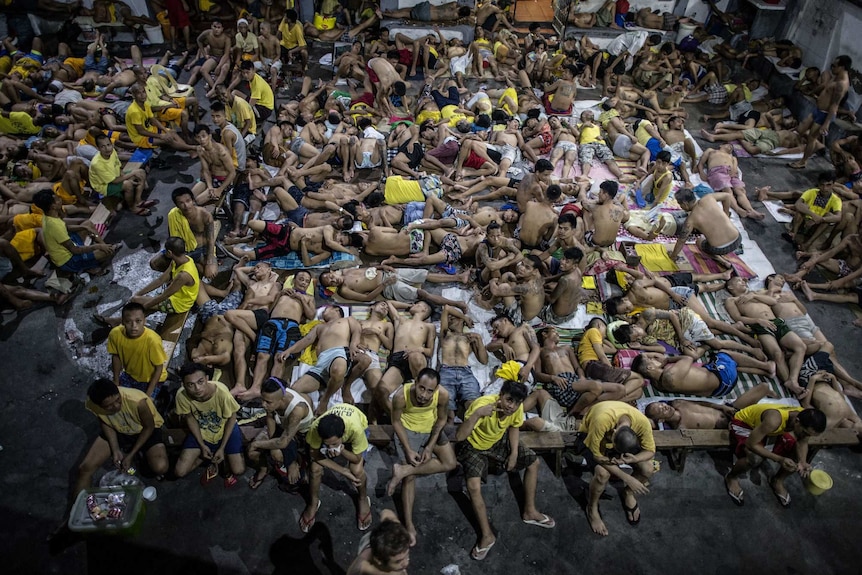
x=709 y=216
x=560 y=96
x=828 y=396
x=510 y=144
x=564 y=379
x=694 y=414
x=828 y=102
x=533 y=185
x=380 y=77
x=516 y=343
x=539 y=220
x=412 y=347
x=426 y=12
x=280 y=331
x=678 y=374
x=188 y=215
x=217 y=169
x=756 y=141
x=683 y=149
x=270 y=54
x=522 y=293
x=844 y=260
x=773 y=333
x=603 y=218
x=456 y=345
x=720 y=168
x=366 y=284
x=214 y=48
x=262 y=290
x=280 y=239
x=336 y=343
x=376 y=332
x=561 y=304
x=495 y=253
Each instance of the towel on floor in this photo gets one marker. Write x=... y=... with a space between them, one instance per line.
x=774 y=207
x=655 y=258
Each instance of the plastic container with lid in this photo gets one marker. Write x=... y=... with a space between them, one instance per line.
x=81 y=522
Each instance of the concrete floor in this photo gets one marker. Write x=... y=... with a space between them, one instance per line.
x=689 y=524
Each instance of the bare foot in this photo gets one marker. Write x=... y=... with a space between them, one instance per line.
x=707 y=136
x=800 y=165
x=858 y=322
x=596 y=524
x=463 y=277
x=772 y=367
x=238 y=390
x=20 y=304
x=397 y=476
x=755 y=215
x=762 y=193
x=252 y=393
x=809 y=293
x=796 y=389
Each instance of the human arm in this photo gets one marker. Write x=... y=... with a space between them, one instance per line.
x=181 y=279
x=684 y=234
x=195 y=431
x=116 y=368
x=154 y=379
x=514 y=440
x=218 y=456
x=398 y=405
x=306 y=341
x=466 y=428
x=290 y=429
x=159 y=281
x=148 y=426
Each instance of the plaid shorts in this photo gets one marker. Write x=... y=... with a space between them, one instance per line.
x=565 y=396
x=476 y=463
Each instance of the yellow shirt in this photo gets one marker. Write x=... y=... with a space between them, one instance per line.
x=399 y=190
x=212 y=414
x=247 y=44
x=450 y=113
x=428 y=115
x=137 y=116
x=27 y=221
x=590 y=134
x=752 y=415
x=20 y=123
x=25 y=243
x=240 y=111
x=179 y=226
x=513 y=95
x=126 y=421
x=607 y=115
x=420 y=419
x=603 y=417
x=641 y=133
x=261 y=92
x=140 y=356
x=355 y=425
x=291 y=37
x=489 y=430
x=818 y=206
x=184 y=299
x=586 y=351
x=54 y=233
x=104 y=171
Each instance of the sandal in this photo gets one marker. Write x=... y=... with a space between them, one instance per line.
x=257 y=479
x=305 y=525
x=364 y=522
x=630 y=514
x=143 y=212
x=148 y=203
x=230 y=481
x=210 y=474
x=479 y=553
x=738 y=498
x=783 y=499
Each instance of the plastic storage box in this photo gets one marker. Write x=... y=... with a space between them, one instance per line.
x=80 y=520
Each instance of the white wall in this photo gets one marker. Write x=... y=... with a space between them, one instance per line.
x=826 y=29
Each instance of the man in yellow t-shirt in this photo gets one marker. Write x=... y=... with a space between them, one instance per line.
x=181 y=280
x=490 y=435
x=145 y=130
x=65 y=248
x=817 y=211
x=106 y=177
x=592 y=355
x=618 y=434
x=210 y=414
x=419 y=414
x=260 y=93
x=129 y=424
x=241 y=113
x=137 y=355
x=292 y=39
x=336 y=438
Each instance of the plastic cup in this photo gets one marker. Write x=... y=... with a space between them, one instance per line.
x=150 y=493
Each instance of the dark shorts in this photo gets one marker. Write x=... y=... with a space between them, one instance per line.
x=277 y=237
x=749 y=115
x=461 y=384
x=681 y=279
x=452 y=248
x=447 y=153
x=781 y=329
x=819 y=116
x=115 y=191
x=261 y=316
x=276 y=335
x=126 y=380
x=234 y=443
x=452 y=97
x=241 y=194
x=127 y=442
x=398 y=360
x=724 y=367
x=565 y=396
x=722 y=250
x=477 y=463
x=421 y=12
x=79 y=263
x=818 y=361
x=601 y=371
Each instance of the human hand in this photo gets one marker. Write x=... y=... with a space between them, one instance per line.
x=390 y=280
x=117 y=458
x=788 y=464
x=512 y=462
x=424 y=455
x=559 y=381
x=206 y=453
x=636 y=486
x=804 y=469
x=353 y=479
x=413 y=458
x=218 y=456
x=127 y=461
x=485 y=410
x=523 y=373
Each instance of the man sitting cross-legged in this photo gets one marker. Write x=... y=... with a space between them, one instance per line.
x=419 y=413
x=490 y=435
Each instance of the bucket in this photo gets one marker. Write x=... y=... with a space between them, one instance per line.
x=685 y=29
x=154 y=34
x=818 y=482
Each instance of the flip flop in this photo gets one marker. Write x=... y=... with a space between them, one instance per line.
x=738 y=498
x=230 y=481
x=784 y=500
x=306 y=525
x=545 y=523
x=364 y=522
x=255 y=481
x=479 y=553
x=148 y=203
x=100 y=319
x=143 y=212
x=631 y=511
